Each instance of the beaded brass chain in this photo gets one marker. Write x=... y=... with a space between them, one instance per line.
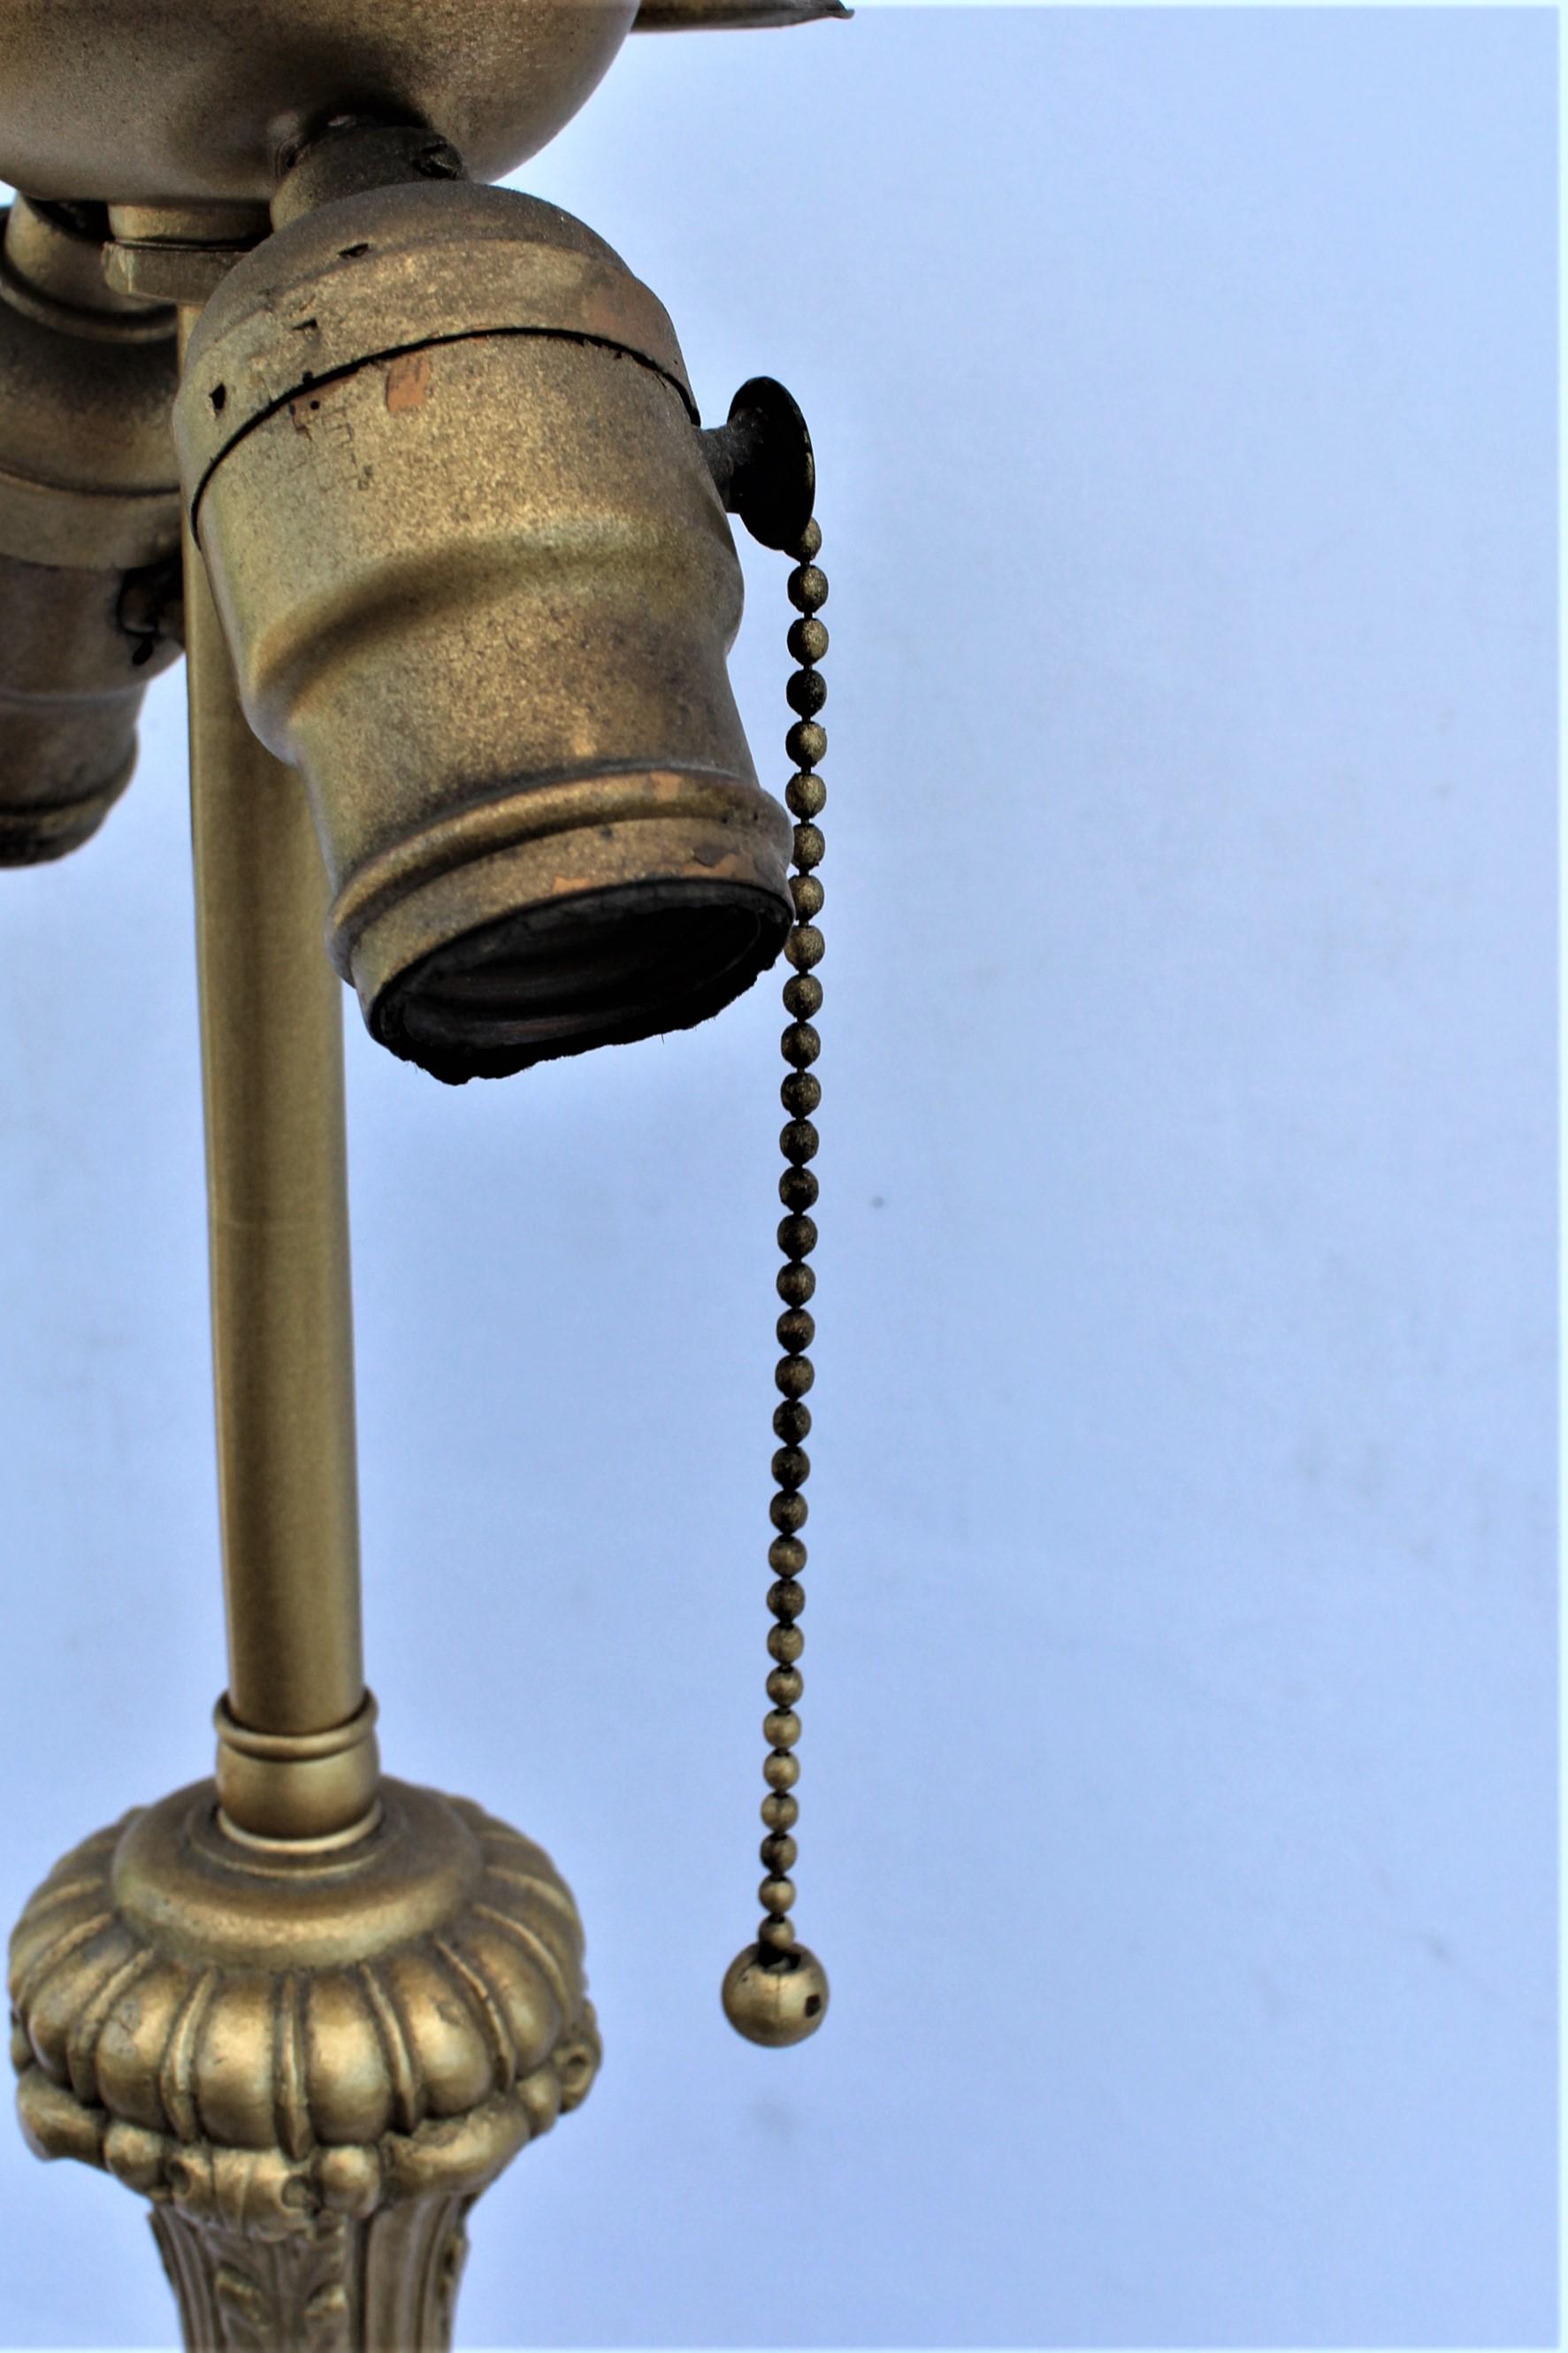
x=776 y=1991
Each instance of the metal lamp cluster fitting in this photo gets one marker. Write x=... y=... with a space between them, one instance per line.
x=412 y=467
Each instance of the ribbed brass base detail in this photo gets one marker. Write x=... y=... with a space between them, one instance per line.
x=312 y=2064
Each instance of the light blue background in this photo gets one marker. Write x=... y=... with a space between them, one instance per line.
x=1178 y=1815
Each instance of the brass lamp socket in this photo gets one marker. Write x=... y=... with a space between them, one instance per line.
x=444 y=465
x=90 y=521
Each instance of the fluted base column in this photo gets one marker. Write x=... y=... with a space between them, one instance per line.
x=387 y=2285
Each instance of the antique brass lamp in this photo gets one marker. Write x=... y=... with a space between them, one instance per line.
x=410 y=466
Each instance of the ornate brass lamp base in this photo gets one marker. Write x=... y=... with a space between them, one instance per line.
x=312 y=2062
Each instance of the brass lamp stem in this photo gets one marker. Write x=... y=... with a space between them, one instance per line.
x=297 y=1755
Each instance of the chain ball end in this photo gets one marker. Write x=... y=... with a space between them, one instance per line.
x=775 y=1998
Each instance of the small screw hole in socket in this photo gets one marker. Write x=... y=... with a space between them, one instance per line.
x=218 y=396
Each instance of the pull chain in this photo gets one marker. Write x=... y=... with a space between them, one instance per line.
x=775 y=1991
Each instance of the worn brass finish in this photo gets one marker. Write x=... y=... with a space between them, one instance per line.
x=386 y=2282
x=399 y=268
x=282 y=1331
x=313 y=2065
x=88 y=526
x=438 y=441
x=199 y=101
x=231 y=226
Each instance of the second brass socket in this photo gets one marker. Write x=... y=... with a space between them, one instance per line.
x=89 y=524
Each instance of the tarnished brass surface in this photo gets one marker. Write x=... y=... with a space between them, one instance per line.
x=282 y=1334
x=479 y=588
x=215 y=224
x=311 y=2066
x=192 y=100
x=89 y=518
x=399 y=268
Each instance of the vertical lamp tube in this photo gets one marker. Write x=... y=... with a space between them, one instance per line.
x=297 y=1757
